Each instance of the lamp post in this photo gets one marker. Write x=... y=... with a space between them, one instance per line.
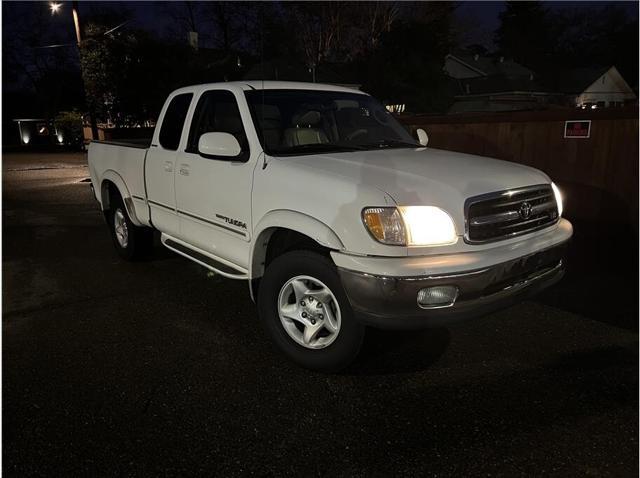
x=76 y=21
x=55 y=9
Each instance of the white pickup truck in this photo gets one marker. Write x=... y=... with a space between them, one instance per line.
x=335 y=215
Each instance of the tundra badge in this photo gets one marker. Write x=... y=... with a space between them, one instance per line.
x=233 y=222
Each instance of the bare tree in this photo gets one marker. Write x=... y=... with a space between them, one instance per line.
x=317 y=27
x=187 y=17
x=380 y=17
x=232 y=25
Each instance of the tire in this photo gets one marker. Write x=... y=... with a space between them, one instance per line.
x=314 y=328
x=131 y=242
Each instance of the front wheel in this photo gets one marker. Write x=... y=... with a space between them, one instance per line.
x=306 y=312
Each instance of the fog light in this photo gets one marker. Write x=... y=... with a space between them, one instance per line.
x=438 y=296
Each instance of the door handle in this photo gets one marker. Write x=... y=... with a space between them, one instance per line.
x=168 y=166
x=184 y=169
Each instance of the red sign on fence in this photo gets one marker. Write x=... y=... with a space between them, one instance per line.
x=577 y=129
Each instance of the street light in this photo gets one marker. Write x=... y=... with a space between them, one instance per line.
x=55 y=7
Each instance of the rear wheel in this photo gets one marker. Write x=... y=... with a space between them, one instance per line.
x=304 y=308
x=131 y=242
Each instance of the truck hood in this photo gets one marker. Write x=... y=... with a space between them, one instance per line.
x=425 y=176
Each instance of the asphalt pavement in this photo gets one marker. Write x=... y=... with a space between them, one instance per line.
x=161 y=369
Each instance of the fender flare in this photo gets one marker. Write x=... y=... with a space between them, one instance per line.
x=113 y=177
x=295 y=221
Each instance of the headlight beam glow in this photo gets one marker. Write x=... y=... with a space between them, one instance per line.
x=428 y=226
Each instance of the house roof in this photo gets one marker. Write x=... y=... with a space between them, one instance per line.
x=577 y=80
x=491 y=65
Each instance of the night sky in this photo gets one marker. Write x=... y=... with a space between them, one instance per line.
x=474 y=23
x=478 y=20
x=485 y=14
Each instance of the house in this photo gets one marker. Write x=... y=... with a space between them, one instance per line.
x=600 y=87
x=489 y=83
x=492 y=83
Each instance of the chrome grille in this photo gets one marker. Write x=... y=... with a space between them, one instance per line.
x=504 y=214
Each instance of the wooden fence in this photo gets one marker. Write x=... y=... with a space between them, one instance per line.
x=598 y=175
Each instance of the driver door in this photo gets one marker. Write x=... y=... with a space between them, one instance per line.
x=213 y=194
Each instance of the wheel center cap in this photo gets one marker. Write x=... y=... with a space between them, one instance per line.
x=313 y=309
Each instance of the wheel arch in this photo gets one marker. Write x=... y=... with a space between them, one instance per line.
x=296 y=231
x=112 y=180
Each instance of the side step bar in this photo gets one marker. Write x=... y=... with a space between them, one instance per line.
x=202 y=258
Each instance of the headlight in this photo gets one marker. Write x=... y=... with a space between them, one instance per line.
x=410 y=225
x=428 y=226
x=558 y=195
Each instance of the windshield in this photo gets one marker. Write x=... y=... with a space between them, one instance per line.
x=291 y=122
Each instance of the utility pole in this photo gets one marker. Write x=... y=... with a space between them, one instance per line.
x=76 y=23
x=55 y=9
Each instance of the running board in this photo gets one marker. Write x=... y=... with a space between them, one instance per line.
x=204 y=260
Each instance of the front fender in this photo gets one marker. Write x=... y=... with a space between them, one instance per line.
x=295 y=221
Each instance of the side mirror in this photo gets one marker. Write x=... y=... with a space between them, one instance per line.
x=423 y=137
x=218 y=144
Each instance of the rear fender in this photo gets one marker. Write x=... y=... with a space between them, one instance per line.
x=110 y=176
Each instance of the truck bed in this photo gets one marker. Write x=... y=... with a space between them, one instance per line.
x=143 y=143
x=122 y=163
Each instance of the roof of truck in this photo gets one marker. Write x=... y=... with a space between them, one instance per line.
x=272 y=85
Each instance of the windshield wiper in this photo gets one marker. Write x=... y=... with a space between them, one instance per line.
x=390 y=143
x=314 y=148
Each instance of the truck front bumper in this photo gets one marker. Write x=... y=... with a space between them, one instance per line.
x=388 y=301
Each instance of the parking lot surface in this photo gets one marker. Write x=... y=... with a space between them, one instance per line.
x=159 y=368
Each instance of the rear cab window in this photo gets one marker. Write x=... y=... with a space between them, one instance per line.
x=173 y=121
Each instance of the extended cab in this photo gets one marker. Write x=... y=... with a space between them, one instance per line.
x=335 y=215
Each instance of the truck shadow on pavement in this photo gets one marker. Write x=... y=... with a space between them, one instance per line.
x=391 y=351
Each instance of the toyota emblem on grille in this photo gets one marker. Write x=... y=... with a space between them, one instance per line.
x=525 y=210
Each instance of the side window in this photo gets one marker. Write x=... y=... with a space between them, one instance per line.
x=217 y=111
x=173 y=121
